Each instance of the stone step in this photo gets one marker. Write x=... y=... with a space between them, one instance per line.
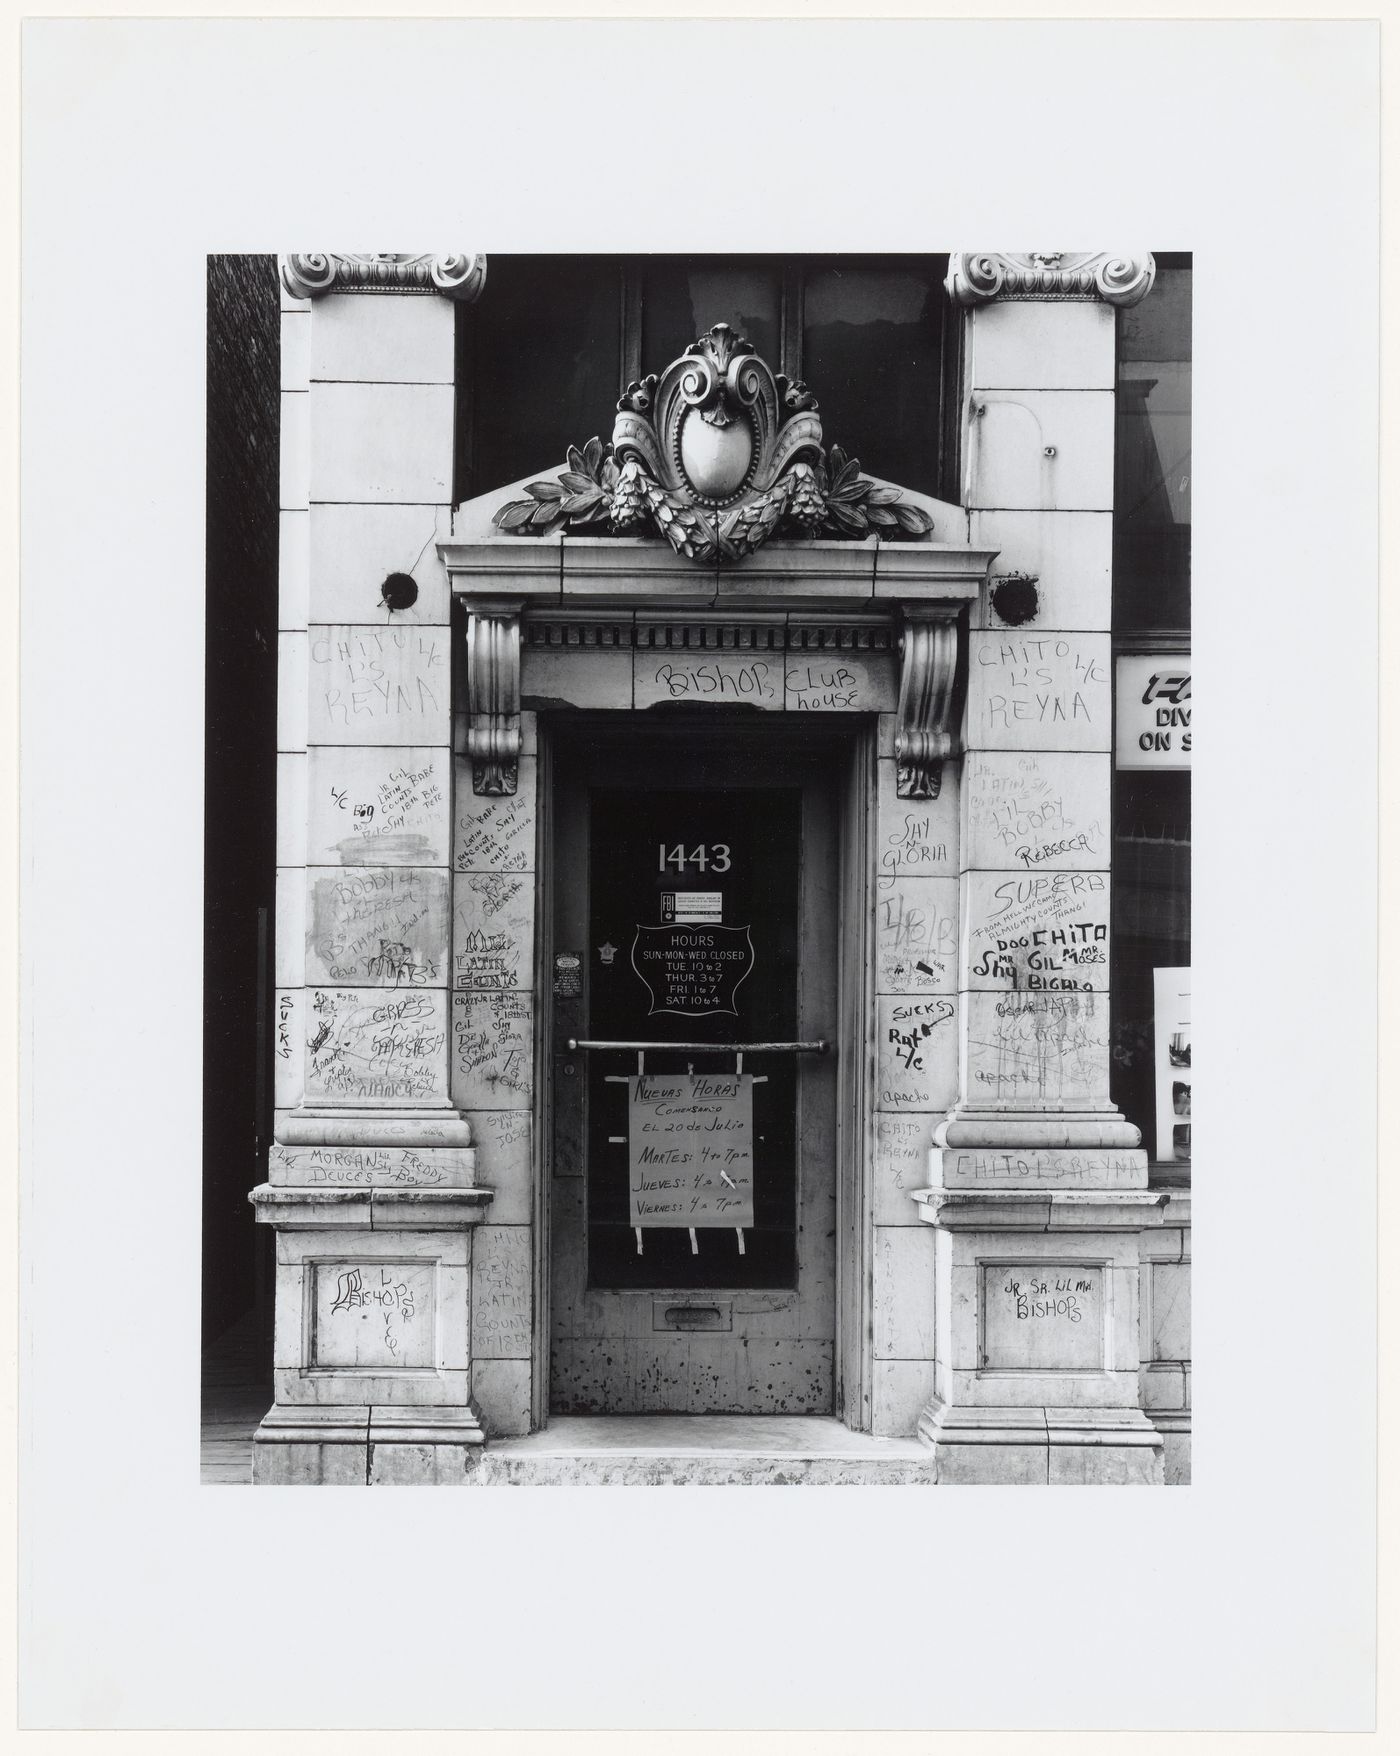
x=704 y=1450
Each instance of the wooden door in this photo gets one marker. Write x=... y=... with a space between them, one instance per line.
x=693 y=1192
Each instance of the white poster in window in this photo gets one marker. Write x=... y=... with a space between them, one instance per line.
x=1172 y=1018
x=1153 y=710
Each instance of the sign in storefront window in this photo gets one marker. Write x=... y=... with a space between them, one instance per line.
x=1172 y=1033
x=1153 y=714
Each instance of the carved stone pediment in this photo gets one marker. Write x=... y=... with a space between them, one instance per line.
x=716 y=454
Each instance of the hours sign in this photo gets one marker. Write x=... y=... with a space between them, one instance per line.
x=690 y=1149
x=692 y=971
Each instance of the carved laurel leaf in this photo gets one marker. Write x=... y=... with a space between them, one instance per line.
x=849 y=484
x=544 y=490
x=746 y=528
x=680 y=524
x=913 y=519
x=851 y=518
x=881 y=515
x=593 y=457
x=514 y=514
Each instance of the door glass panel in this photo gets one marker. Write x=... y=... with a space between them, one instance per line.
x=693 y=927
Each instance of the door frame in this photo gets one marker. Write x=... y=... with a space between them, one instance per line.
x=853 y=741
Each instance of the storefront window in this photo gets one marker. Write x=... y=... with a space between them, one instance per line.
x=871 y=338
x=681 y=297
x=539 y=366
x=543 y=357
x=1152 y=477
x=1151 y=1074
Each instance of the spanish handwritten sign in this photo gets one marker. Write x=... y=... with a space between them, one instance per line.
x=693 y=972
x=690 y=1149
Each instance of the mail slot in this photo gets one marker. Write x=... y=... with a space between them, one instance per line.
x=712 y=1315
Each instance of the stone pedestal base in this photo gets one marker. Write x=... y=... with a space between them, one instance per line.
x=1039 y=1363
x=371 y=1357
x=1042 y=1445
x=367 y=1447
x=1175 y=1430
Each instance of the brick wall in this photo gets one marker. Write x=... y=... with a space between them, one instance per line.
x=239 y=759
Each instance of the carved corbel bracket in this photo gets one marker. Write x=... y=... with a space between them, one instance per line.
x=493 y=695
x=458 y=276
x=923 y=738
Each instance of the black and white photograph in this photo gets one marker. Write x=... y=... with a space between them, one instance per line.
x=704 y=934
x=648 y=749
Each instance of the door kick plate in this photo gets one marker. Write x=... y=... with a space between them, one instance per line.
x=694 y=1313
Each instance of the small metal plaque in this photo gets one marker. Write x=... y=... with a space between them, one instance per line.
x=692 y=906
x=568 y=973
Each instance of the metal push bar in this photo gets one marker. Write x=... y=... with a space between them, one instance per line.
x=817 y=1048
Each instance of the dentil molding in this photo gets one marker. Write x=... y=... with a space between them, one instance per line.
x=457 y=277
x=976 y=277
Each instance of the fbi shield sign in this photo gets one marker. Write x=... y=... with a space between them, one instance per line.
x=690 y=971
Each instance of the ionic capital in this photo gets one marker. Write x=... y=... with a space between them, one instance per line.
x=457 y=277
x=976 y=277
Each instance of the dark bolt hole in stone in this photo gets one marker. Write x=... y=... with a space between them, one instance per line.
x=1015 y=599
x=399 y=592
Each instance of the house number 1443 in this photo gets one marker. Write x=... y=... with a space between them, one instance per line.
x=711 y=858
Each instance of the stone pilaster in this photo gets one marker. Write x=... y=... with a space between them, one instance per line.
x=1038 y=1194
x=494 y=1061
x=372 y=1183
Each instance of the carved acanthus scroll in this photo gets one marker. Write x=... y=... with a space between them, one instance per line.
x=924 y=729
x=493 y=696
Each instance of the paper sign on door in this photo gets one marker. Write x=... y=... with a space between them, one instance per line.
x=690 y=1149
